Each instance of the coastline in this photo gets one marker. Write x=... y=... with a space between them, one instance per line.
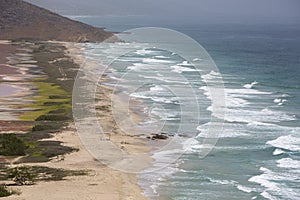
x=101 y=182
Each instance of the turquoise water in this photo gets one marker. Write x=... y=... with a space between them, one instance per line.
x=258 y=152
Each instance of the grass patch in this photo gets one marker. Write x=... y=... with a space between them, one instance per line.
x=45 y=101
x=37 y=154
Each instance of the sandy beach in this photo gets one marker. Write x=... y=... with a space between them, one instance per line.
x=101 y=181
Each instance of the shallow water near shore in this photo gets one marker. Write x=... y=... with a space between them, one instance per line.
x=7 y=90
x=258 y=152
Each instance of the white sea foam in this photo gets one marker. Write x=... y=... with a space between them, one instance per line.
x=273 y=182
x=229 y=131
x=244 y=188
x=211 y=76
x=268 y=196
x=279 y=101
x=157 y=175
x=193 y=146
x=288 y=142
x=222 y=182
x=259 y=124
x=144 y=52
x=197 y=59
x=139 y=66
x=278 y=152
x=127 y=59
x=162 y=57
x=250 y=85
x=180 y=69
x=236 y=97
x=156 y=88
x=242 y=92
x=154 y=187
x=164 y=79
x=153 y=60
x=170 y=100
x=264 y=180
x=236 y=102
x=165 y=115
x=209 y=108
x=185 y=63
x=249 y=116
x=206 y=92
x=288 y=163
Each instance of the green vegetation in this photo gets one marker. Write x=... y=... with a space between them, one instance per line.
x=58 y=111
x=28 y=175
x=4 y=191
x=11 y=145
x=37 y=153
x=56 y=174
x=49 y=97
x=44 y=151
x=29 y=146
x=40 y=127
x=48 y=110
x=52 y=118
x=22 y=175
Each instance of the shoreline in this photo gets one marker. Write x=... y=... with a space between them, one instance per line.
x=102 y=182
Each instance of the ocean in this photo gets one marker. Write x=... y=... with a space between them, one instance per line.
x=257 y=155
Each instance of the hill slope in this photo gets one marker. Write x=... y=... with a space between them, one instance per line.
x=22 y=20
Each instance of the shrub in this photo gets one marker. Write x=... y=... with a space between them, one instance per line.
x=51 y=118
x=53 y=103
x=57 y=97
x=22 y=175
x=58 y=111
x=4 y=191
x=11 y=145
x=41 y=127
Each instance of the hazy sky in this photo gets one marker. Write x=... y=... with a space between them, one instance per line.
x=234 y=11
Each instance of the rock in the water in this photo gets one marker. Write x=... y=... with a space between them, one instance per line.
x=159 y=137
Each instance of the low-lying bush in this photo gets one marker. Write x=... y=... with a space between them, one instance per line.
x=40 y=127
x=22 y=175
x=11 y=145
x=51 y=118
x=4 y=191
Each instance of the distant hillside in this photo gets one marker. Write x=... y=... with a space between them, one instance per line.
x=22 y=20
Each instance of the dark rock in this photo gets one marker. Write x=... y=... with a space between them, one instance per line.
x=159 y=137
